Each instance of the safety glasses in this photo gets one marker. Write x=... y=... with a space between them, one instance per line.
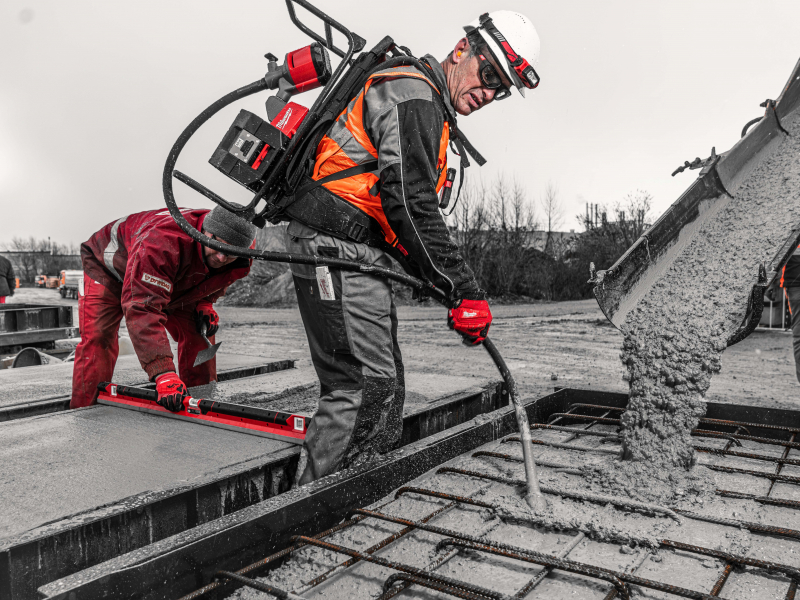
x=491 y=79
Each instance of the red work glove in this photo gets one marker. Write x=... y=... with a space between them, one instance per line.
x=471 y=318
x=171 y=391
x=204 y=313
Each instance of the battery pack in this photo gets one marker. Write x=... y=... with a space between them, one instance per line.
x=251 y=144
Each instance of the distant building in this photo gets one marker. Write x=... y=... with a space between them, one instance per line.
x=543 y=240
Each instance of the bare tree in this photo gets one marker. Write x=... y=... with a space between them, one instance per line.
x=511 y=234
x=553 y=215
x=499 y=213
x=469 y=221
x=32 y=257
x=25 y=257
x=493 y=225
x=522 y=210
x=632 y=216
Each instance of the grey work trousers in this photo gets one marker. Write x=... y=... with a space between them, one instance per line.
x=353 y=343
x=793 y=298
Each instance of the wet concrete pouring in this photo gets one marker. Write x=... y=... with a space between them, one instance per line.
x=464 y=530
x=675 y=335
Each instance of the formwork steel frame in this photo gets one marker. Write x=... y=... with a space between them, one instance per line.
x=620 y=581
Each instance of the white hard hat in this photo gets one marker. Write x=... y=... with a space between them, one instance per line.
x=514 y=44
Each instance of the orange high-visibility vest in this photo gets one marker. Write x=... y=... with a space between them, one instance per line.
x=783 y=270
x=331 y=158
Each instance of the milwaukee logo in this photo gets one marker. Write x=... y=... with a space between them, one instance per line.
x=285 y=119
x=156 y=281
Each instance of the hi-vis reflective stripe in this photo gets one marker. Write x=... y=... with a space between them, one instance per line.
x=164 y=213
x=111 y=249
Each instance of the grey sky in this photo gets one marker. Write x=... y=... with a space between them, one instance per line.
x=93 y=94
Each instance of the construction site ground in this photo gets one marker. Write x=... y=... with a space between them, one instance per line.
x=546 y=345
x=564 y=344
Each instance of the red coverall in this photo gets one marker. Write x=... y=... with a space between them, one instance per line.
x=145 y=268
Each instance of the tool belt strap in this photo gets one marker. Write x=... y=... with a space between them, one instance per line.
x=324 y=211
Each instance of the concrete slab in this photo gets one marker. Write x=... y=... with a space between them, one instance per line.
x=79 y=487
x=35 y=384
x=297 y=390
x=64 y=464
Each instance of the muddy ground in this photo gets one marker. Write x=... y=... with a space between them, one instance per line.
x=570 y=340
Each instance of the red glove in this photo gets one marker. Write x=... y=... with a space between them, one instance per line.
x=204 y=313
x=471 y=318
x=171 y=391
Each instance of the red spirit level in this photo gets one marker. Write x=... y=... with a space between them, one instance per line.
x=282 y=426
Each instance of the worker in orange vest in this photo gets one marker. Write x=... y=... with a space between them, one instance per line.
x=378 y=175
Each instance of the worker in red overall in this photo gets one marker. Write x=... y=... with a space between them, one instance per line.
x=146 y=268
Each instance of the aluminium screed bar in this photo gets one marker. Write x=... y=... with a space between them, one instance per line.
x=287 y=427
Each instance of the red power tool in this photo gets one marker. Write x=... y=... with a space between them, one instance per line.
x=278 y=425
x=252 y=145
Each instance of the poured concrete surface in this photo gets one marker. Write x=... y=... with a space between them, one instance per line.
x=265 y=527
x=57 y=466
x=104 y=480
x=62 y=464
x=35 y=384
x=297 y=390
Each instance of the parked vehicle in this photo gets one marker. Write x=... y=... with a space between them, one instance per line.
x=69 y=282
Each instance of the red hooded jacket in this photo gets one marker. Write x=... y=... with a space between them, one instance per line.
x=155 y=268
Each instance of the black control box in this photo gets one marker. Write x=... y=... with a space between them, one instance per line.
x=248 y=149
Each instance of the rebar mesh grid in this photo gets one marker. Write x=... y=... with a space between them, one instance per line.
x=449 y=543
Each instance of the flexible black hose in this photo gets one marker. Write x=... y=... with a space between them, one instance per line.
x=534 y=496
x=748 y=124
x=185 y=136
